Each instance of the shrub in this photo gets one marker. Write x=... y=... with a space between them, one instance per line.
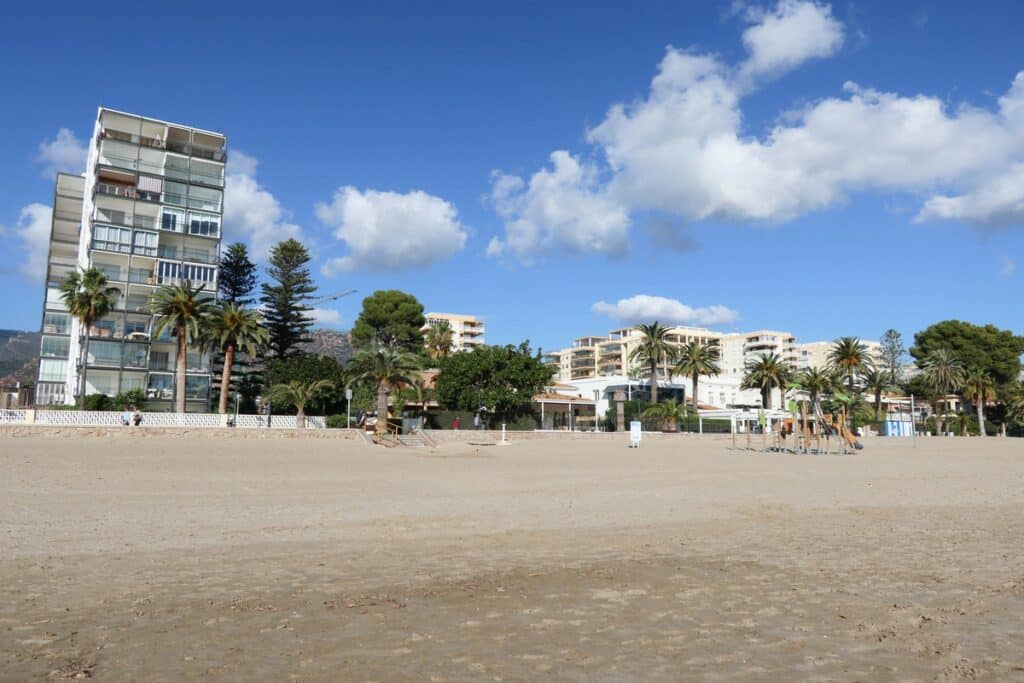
x=97 y=402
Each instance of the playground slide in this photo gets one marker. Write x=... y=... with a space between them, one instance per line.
x=841 y=431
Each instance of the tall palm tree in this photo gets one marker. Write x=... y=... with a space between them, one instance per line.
x=849 y=356
x=183 y=311
x=696 y=358
x=439 y=340
x=230 y=328
x=88 y=298
x=877 y=381
x=653 y=350
x=670 y=413
x=765 y=373
x=387 y=367
x=944 y=373
x=815 y=381
x=980 y=388
x=299 y=394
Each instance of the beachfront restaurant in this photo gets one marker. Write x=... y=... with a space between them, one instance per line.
x=562 y=412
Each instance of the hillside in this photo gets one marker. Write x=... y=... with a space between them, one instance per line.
x=19 y=352
x=337 y=345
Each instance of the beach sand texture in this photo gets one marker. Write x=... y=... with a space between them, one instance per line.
x=163 y=559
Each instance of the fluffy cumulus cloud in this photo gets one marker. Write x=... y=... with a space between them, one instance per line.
x=326 y=317
x=644 y=308
x=559 y=208
x=388 y=231
x=65 y=152
x=32 y=231
x=683 y=150
x=252 y=214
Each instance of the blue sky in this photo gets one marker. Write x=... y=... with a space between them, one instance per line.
x=563 y=169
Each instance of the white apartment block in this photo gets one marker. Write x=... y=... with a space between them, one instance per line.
x=815 y=354
x=467 y=330
x=147 y=212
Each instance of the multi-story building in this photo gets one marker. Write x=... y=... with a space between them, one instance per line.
x=147 y=212
x=740 y=349
x=815 y=354
x=467 y=330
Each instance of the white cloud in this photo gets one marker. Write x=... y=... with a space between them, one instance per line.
x=326 y=317
x=644 y=308
x=562 y=208
x=997 y=203
x=251 y=212
x=64 y=153
x=790 y=34
x=33 y=230
x=388 y=231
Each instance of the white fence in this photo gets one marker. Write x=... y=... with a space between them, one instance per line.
x=100 y=418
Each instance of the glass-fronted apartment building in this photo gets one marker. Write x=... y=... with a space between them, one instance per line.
x=147 y=212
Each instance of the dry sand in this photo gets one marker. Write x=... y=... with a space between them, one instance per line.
x=573 y=560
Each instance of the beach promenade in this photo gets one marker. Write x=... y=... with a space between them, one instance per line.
x=577 y=559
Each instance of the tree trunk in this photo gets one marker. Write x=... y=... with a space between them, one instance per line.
x=654 y=382
x=766 y=398
x=981 y=417
x=300 y=416
x=695 y=378
x=878 y=406
x=938 y=420
x=225 y=379
x=382 y=407
x=85 y=364
x=1002 y=428
x=179 y=393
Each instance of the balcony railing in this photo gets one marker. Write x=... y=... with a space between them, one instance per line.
x=116 y=190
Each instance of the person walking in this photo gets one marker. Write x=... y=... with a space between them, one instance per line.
x=455 y=422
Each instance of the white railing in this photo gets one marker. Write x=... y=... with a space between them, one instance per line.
x=110 y=418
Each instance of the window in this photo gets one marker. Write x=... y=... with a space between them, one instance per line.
x=100 y=383
x=145 y=243
x=136 y=355
x=56 y=323
x=160 y=386
x=176 y=167
x=52 y=370
x=194 y=361
x=172 y=219
x=204 y=198
x=160 y=360
x=133 y=382
x=187 y=271
x=210 y=174
x=197 y=387
x=55 y=347
x=104 y=353
x=54 y=300
x=111 y=216
x=174 y=193
x=111 y=239
x=203 y=224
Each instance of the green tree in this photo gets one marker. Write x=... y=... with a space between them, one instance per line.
x=892 y=353
x=988 y=348
x=849 y=356
x=229 y=329
x=501 y=379
x=309 y=368
x=87 y=297
x=439 y=340
x=694 y=359
x=654 y=350
x=1014 y=407
x=670 y=413
x=388 y=368
x=877 y=381
x=392 y=318
x=944 y=373
x=236 y=280
x=287 y=316
x=980 y=388
x=816 y=382
x=764 y=373
x=299 y=394
x=183 y=310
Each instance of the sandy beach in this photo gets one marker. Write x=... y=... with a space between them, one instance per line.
x=164 y=559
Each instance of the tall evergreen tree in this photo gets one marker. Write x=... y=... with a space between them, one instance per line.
x=391 y=318
x=892 y=353
x=286 y=314
x=237 y=276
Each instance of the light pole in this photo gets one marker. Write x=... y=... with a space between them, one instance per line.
x=348 y=408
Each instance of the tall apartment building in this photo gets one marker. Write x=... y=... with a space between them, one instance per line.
x=467 y=330
x=815 y=354
x=147 y=212
x=739 y=350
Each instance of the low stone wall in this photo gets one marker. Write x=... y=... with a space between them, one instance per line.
x=65 y=432
x=494 y=435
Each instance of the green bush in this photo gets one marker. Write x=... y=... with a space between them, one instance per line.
x=337 y=421
x=126 y=399
x=97 y=402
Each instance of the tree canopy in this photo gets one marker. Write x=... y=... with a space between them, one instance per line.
x=237 y=278
x=390 y=317
x=287 y=316
x=501 y=379
x=987 y=348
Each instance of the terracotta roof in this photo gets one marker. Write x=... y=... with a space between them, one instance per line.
x=562 y=398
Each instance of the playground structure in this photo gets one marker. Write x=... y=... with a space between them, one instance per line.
x=800 y=431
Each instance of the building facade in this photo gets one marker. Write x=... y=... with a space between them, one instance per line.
x=147 y=212
x=467 y=330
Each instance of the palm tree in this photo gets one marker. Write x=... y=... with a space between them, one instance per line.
x=764 y=374
x=815 y=382
x=439 y=340
x=1014 y=413
x=944 y=373
x=387 y=367
x=980 y=388
x=230 y=328
x=88 y=298
x=670 y=413
x=299 y=394
x=182 y=310
x=654 y=349
x=696 y=358
x=849 y=356
x=877 y=381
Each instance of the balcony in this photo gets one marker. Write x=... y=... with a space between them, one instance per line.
x=196 y=151
x=126 y=191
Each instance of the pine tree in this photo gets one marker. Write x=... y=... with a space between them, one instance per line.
x=237 y=276
x=287 y=317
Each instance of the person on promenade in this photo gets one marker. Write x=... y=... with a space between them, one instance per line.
x=126 y=416
x=455 y=422
x=136 y=416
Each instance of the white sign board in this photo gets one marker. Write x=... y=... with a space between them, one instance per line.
x=635 y=433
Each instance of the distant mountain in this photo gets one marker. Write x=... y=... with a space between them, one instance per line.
x=337 y=345
x=19 y=356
